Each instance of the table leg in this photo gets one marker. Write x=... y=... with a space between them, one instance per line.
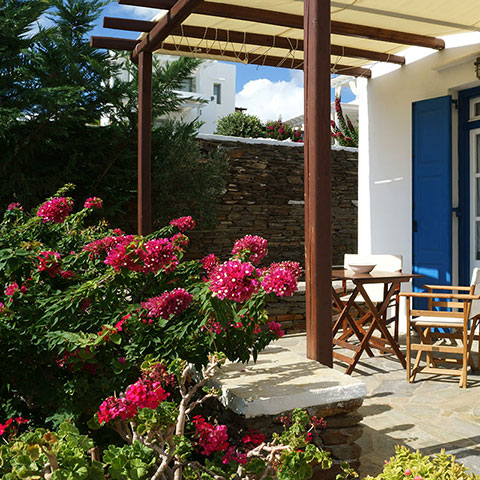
x=377 y=318
x=344 y=315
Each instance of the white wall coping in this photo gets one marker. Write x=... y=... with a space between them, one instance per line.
x=281 y=380
x=264 y=141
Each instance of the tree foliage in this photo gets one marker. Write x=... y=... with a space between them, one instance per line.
x=54 y=89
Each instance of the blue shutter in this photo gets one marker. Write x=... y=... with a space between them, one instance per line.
x=432 y=193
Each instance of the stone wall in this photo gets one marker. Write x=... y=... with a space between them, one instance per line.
x=255 y=395
x=264 y=196
x=342 y=429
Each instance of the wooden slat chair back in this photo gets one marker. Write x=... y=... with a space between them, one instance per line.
x=376 y=292
x=455 y=311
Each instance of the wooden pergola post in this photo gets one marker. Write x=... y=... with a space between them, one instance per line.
x=317 y=181
x=144 y=195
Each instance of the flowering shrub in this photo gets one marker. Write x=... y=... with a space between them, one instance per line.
x=282 y=131
x=345 y=133
x=83 y=305
x=408 y=465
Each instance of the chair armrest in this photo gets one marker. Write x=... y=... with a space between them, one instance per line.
x=446 y=287
x=457 y=296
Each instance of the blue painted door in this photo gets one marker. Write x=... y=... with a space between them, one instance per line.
x=432 y=193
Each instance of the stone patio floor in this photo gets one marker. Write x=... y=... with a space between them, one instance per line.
x=430 y=414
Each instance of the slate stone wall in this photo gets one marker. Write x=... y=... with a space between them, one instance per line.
x=264 y=196
x=343 y=429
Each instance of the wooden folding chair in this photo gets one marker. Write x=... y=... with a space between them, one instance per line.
x=458 y=314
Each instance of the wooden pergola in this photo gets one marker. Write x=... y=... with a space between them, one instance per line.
x=319 y=36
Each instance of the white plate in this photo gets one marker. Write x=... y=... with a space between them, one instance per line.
x=361 y=267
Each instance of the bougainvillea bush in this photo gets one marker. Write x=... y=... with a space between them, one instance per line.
x=83 y=304
x=282 y=131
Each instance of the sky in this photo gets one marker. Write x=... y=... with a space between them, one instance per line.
x=267 y=92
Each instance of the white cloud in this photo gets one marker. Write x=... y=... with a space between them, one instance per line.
x=270 y=100
x=142 y=13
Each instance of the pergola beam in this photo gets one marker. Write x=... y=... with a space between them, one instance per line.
x=164 y=27
x=288 y=20
x=231 y=36
x=269 y=60
x=112 y=43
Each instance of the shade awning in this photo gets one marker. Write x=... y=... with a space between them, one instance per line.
x=270 y=32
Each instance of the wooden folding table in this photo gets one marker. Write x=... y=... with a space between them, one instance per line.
x=385 y=343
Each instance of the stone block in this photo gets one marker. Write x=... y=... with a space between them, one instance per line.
x=337 y=436
x=342 y=421
x=345 y=452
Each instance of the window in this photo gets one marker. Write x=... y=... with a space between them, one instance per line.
x=189 y=85
x=474 y=109
x=217 y=91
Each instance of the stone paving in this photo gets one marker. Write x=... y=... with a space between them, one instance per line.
x=430 y=414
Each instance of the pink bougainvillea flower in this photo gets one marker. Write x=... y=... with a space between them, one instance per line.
x=169 y=303
x=49 y=261
x=106 y=244
x=407 y=472
x=212 y=438
x=21 y=420
x=184 y=223
x=254 y=245
x=418 y=477
x=93 y=202
x=55 y=210
x=209 y=263
x=180 y=240
x=294 y=267
x=213 y=327
x=67 y=274
x=274 y=327
x=120 y=257
x=234 y=280
x=281 y=278
x=15 y=206
x=13 y=287
x=157 y=254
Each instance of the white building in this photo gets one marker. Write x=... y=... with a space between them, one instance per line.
x=419 y=161
x=213 y=83
x=209 y=94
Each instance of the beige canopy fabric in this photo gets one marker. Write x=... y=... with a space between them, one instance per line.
x=426 y=17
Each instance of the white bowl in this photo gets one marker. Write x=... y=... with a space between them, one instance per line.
x=361 y=267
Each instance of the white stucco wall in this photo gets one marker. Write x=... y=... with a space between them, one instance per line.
x=385 y=172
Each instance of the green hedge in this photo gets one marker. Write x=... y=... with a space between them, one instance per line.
x=39 y=159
